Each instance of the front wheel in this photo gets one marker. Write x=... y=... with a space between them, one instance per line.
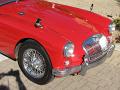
x=35 y=63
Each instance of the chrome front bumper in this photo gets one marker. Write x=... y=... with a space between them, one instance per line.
x=102 y=56
x=81 y=67
x=66 y=71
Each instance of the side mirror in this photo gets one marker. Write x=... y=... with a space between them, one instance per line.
x=38 y=23
x=91 y=7
x=110 y=16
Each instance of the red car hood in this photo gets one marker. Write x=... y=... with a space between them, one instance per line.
x=70 y=25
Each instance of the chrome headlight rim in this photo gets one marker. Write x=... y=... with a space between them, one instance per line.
x=69 y=49
x=112 y=27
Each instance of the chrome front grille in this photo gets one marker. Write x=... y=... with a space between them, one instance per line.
x=95 y=47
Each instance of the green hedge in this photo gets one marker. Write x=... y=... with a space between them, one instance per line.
x=117 y=22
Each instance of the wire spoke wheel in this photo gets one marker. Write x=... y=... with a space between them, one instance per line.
x=34 y=63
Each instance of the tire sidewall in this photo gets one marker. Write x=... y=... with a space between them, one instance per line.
x=48 y=71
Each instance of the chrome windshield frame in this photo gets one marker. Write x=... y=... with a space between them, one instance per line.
x=7 y=2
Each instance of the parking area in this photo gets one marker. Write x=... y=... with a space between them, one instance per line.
x=102 y=77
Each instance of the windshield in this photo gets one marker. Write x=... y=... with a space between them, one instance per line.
x=3 y=2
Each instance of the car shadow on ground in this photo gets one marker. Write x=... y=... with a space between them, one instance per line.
x=15 y=74
x=3 y=87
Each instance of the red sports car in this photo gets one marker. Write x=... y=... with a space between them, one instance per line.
x=52 y=40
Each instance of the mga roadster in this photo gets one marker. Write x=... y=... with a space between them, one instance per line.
x=52 y=40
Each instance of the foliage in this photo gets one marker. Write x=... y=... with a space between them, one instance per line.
x=117 y=22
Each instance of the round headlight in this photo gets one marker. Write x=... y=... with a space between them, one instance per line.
x=69 y=49
x=112 y=27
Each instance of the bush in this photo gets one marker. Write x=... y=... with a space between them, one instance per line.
x=117 y=22
x=116 y=34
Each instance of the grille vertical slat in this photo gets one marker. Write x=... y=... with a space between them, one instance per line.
x=95 y=47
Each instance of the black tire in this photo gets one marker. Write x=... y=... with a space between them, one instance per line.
x=48 y=71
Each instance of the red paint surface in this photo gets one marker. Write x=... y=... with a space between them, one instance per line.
x=61 y=24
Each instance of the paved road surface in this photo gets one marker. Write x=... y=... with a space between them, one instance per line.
x=103 y=77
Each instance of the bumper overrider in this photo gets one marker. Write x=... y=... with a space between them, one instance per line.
x=87 y=64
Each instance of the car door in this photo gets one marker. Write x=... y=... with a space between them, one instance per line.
x=6 y=9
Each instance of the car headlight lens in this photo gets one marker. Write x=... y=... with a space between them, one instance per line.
x=112 y=27
x=69 y=49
